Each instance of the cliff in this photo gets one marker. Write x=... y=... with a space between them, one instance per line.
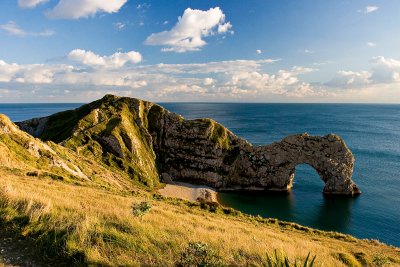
x=147 y=142
x=22 y=154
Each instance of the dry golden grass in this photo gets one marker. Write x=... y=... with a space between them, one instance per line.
x=98 y=226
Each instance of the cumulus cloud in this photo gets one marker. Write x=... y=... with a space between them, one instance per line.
x=88 y=78
x=385 y=70
x=116 y=60
x=208 y=81
x=163 y=81
x=30 y=3
x=7 y=71
x=13 y=28
x=223 y=28
x=284 y=82
x=350 y=79
x=258 y=51
x=75 y=9
x=371 y=44
x=191 y=28
x=30 y=73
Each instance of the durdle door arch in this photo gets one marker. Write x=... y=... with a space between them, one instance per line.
x=276 y=163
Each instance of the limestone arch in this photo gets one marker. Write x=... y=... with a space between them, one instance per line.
x=328 y=155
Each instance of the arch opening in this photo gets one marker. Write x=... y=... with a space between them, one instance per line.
x=307 y=179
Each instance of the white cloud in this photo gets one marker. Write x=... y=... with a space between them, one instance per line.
x=30 y=73
x=258 y=51
x=75 y=9
x=303 y=90
x=368 y=9
x=350 y=79
x=371 y=44
x=223 y=28
x=235 y=80
x=385 y=70
x=7 y=71
x=30 y=3
x=116 y=60
x=309 y=52
x=323 y=63
x=13 y=28
x=257 y=83
x=37 y=74
x=119 y=25
x=208 y=81
x=181 y=90
x=189 y=31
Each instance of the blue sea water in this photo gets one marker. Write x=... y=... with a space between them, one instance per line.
x=371 y=131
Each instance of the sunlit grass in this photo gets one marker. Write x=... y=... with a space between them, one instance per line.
x=97 y=226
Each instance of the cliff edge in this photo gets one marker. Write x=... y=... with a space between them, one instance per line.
x=149 y=143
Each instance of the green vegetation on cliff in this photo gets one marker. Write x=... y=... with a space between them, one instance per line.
x=112 y=131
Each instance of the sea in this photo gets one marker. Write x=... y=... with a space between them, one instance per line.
x=371 y=131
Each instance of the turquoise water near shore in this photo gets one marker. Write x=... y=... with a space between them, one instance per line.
x=371 y=131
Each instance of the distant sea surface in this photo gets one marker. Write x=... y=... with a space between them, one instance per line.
x=371 y=131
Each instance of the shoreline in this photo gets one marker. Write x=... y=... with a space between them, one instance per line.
x=189 y=192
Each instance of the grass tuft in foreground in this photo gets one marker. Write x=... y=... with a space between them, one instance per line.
x=282 y=260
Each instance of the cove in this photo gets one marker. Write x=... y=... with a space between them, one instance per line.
x=304 y=204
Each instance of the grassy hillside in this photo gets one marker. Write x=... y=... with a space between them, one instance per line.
x=96 y=226
x=111 y=131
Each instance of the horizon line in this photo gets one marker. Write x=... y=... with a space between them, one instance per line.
x=211 y=102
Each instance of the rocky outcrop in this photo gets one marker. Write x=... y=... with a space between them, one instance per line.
x=22 y=151
x=149 y=142
x=204 y=152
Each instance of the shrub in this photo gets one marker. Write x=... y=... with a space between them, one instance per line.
x=380 y=260
x=140 y=209
x=282 y=260
x=199 y=254
x=348 y=260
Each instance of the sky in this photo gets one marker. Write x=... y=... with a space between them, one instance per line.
x=332 y=51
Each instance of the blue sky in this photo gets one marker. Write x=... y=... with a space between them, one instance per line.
x=176 y=50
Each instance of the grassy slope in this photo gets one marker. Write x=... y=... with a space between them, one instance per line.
x=84 y=130
x=96 y=226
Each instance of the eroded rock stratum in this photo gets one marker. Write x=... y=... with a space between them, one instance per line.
x=151 y=143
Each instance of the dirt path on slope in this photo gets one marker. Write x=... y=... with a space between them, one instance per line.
x=17 y=252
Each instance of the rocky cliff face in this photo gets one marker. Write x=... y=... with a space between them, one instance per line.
x=148 y=142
